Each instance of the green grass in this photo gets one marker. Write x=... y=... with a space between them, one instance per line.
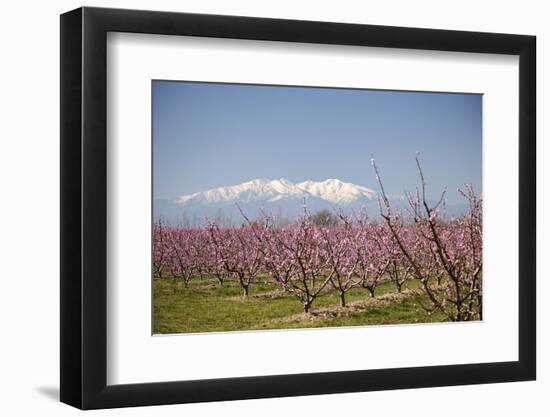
x=207 y=307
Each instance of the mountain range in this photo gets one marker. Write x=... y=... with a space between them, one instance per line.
x=270 y=191
x=280 y=197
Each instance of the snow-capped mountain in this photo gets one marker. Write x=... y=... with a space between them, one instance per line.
x=281 y=197
x=336 y=191
x=256 y=190
x=331 y=190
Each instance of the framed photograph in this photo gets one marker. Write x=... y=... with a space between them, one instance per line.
x=259 y=208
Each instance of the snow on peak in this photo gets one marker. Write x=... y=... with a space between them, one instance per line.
x=332 y=190
x=336 y=191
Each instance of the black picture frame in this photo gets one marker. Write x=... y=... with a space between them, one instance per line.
x=84 y=207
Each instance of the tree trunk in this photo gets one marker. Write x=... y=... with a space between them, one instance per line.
x=342 y=298
x=307 y=307
x=399 y=286
x=245 y=292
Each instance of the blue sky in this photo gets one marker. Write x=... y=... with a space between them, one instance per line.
x=207 y=135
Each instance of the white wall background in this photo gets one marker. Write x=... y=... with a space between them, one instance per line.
x=29 y=225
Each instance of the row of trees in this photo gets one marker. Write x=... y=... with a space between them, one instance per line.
x=310 y=258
